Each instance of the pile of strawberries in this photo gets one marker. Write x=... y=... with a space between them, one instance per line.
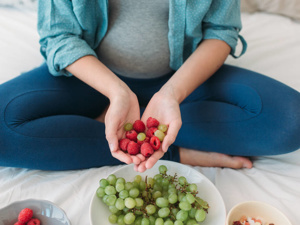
x=25 y=218
x=141 y=138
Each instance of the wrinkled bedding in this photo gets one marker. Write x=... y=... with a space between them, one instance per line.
x=273 y=49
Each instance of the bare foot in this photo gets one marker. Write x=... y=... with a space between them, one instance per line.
x=212 y=159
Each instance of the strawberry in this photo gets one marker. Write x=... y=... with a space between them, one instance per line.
x=123 y=144
x=25 y=215
x=146 y=149
x=139 y=126
x=152 y=122
x=133 y=148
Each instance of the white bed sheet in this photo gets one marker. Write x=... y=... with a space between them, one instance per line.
x=274 y=50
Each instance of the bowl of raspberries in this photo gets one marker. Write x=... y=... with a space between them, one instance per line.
x=141 y=138
x=33 y=212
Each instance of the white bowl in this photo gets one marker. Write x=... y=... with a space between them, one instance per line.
x=47 y=212
x=260 y=210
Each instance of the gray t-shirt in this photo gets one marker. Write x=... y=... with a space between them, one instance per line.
x=136 y=43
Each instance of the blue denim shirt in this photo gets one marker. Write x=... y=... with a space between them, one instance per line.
x=71 y=29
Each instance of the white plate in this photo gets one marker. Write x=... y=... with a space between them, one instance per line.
x=207 y=191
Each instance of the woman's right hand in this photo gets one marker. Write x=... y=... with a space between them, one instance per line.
x=123 y=108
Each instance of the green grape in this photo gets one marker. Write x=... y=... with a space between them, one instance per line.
x=110 y=190
x=100 y=192
x=156 y=194
x=162 y=202
x=138 y=178
x=152 y=220
x=128 y=126
x=128 y=186
x=183 y=199
x=163 y=212
x=105 y=198
x=120 y=205
x=139 y=202
x=111 y=200
x=182 y=215
x=141 y=136
x=173 y=198
x=159 y=221
x=178 y=222
x=191 y=222
x=135 y=184
x=185 y=206
x=165 y=182
x=172 y=191
x=103 y=183
x=168 y=222
x=145 y=221
x=159 y=134
x=123 y=194
x=134 y=192
x=129 y=218
x=138 y=220
x=157 y=187
x=162 y=169
x=130 y=203
x=150 y=181
x=190 y=198
x=174 y=211
x=121 y=220
x=162 y=127
x=200 y=215
x=158 y=178
x=180 y=196
x=120 y=180
x=113 y=209
x=112 y=179
x=120 y=187
x=193 y=188
x=192 y=213
x=113 y=218
x=182 y=180
x=142 y=185
x=150 y=209
x=172 y=186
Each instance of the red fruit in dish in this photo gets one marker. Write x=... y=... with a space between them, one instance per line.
x=131 y=135
x=19 y=223
x=152 y=122
x=123 y=144
x=25 y=215
x=150 y=132
x=155 y=142
x=34 y=221
x=139 y=126
x=133 y=148
x=146 y=149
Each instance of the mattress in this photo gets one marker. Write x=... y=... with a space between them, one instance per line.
x=273 y=49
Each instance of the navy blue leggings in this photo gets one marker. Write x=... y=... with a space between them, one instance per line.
x=48 y=122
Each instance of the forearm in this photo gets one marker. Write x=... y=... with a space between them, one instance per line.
x=201 y=65
x=95 y=74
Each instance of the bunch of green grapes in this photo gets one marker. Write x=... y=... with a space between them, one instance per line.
x=158 y=200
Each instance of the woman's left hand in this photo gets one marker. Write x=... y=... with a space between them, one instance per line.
x=165 y=109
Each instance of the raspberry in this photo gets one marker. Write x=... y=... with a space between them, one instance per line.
x=146 y=149
x=19 y=223
x=131 y=135
x=150 y=132
x=25 y=215
x=152 y=122
x=123 y=144
x=155 y=142
x=139 y=126
x=34 y=221
x=133 y=148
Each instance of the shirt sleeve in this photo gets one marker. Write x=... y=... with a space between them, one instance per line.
x=61 y=41
x=223 y=22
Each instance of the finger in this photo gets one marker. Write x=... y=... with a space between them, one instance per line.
x=150 y=162
x=120 y=155
x=136 y=160
x=142 y=168
x=136 y=167
x=142 y=158
x=171 y=135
